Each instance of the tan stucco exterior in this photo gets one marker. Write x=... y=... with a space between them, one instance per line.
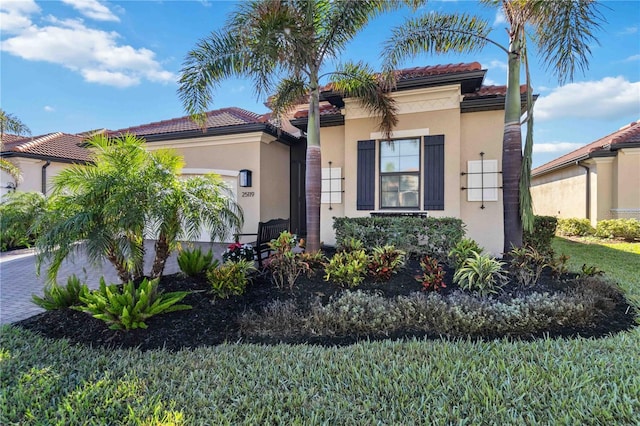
x=422 y=112
x=31 y=174
x=614 y=188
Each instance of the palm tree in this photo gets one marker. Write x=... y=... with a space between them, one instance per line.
x=127 y=194
x=9 y=123
x=283 y=46
x=561 y=30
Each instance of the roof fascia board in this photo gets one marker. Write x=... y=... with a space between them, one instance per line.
x=325 y=121
x=8 y=154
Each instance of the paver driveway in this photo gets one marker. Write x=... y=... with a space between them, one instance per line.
x=18 y=279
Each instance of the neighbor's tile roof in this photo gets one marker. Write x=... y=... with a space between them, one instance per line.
x=626 y=135
x=326 y=109
x=492 y=91
x=8 y=138
x=51 y=145
x=219 y=118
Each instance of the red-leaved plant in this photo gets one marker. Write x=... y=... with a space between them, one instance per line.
x=432 y=278
x=385 y=261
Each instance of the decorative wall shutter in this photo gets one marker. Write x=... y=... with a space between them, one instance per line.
x=434 y=172
x=366 y=175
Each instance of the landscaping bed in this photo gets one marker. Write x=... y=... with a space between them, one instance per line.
x=320 y=312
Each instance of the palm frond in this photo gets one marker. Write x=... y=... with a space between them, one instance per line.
x=358 y=81
x=9 y=123
x=564 y=33
x=289 y=93
x=435 y=33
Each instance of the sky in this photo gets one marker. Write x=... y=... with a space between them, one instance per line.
x=76 y=65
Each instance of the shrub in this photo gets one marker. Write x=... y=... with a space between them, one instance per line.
x=414 y=235
x=230 y=279
x=385 y=261
x=432 y=278
x=194 y=262
x=590 y=271
x=237 y=251
x=127 y=306
x=347 y=268
x=463 y=250
x=480 y=273
x=350 y=244
x=58 y=297
x=627 y=229
x=544 y=229
x=18 y=214
x=285 y=265
x=315 y=259
x=526 y=265
x=558 y=265
x=574 y=227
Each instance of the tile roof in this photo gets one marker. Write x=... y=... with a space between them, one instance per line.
x=8 y=138
x=218 y=118
x=626 y=135
x=52 y=145
x=492 y=91
x=326 y=109
x=429 y=70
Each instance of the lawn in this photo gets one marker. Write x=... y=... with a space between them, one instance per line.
x=547 y=381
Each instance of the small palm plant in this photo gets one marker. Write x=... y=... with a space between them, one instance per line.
x=193 y=262
x=480 y=273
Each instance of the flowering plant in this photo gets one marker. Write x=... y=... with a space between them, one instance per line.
x=237 y=252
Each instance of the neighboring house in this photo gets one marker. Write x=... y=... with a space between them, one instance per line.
x=600 y=180
x=444 y=158
x=40 y=158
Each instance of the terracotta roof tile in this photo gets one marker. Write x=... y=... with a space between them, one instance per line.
x=418 y=72
x=492 y=91
x=8 y=138
x=326 y=109
x=218 y=118
x=54 y=145
x=627 y=134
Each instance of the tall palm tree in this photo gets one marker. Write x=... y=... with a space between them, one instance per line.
x=127 y=194
x=562 y=31
x=9 y=123
x=284 y=47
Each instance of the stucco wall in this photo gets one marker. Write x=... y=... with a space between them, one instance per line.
x=31 y=170
x=274 y=175
x=481 y=132
x=333 y=147
x=627 y=203
x=561 y=193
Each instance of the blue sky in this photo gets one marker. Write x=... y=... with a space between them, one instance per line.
x=75 y=65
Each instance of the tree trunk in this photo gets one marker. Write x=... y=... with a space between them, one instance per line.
x=512 y=152
x=162 y=253
x=121 y=268
x=314 y=171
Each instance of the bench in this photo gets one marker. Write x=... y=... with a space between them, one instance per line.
x=267 y=231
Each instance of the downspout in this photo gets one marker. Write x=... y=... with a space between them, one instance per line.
x=588 y=194
x=44 y=177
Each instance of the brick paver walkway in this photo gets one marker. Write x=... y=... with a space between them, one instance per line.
x=18 y=279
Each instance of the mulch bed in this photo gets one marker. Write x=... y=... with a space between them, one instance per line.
x=213 y=321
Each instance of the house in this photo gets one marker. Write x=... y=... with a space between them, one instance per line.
x=444 y=158
x=600 y=180
x=40 y=158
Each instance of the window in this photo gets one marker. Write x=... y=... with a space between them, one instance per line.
x=400 y=173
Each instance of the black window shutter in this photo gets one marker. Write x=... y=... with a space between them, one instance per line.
x=434 y=172
x=366 y=175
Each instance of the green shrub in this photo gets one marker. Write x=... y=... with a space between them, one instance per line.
x=127 y=306
x=18 y=214
x=544 y=229
x=315 y=259
x=558 y=265
x=480 y=273
x=574 y=227
x=350 y=244
x=590 y=271
x=627 y=229
x=194 y=262
x=385 y=261
x=347 y=268
x=58 y=297
x=432 y=278
x=463 y=250
x=285 y=265
x=526 y=265
x=230 y=279
x=414 y=235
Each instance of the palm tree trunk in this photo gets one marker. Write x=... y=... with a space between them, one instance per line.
x=313 y=172
x=162 y=253
x=512 y=152
x=119 y=265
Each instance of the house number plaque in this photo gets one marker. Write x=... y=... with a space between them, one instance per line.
x=248 y=194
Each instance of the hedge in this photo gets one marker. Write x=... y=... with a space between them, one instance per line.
x=544 y=229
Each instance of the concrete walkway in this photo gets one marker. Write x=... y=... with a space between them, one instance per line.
x=18 y=279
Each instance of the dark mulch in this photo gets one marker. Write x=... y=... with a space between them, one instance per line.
x=212 y=321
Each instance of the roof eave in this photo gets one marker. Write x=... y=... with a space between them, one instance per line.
x=325 y=121
x=8 y=154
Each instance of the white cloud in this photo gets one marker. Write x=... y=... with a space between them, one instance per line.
x=633 y=58
x=49 y=108
x=500 y=18
x=92 y=9
x=603 y=99
x=628 y=31
x=489 y=82
x=94 y=54
x=555 y=147
x=238 y=89
x=14 y=15
x=496 y=64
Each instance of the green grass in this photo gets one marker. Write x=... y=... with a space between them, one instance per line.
x=620 y=261
x=549 y=381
